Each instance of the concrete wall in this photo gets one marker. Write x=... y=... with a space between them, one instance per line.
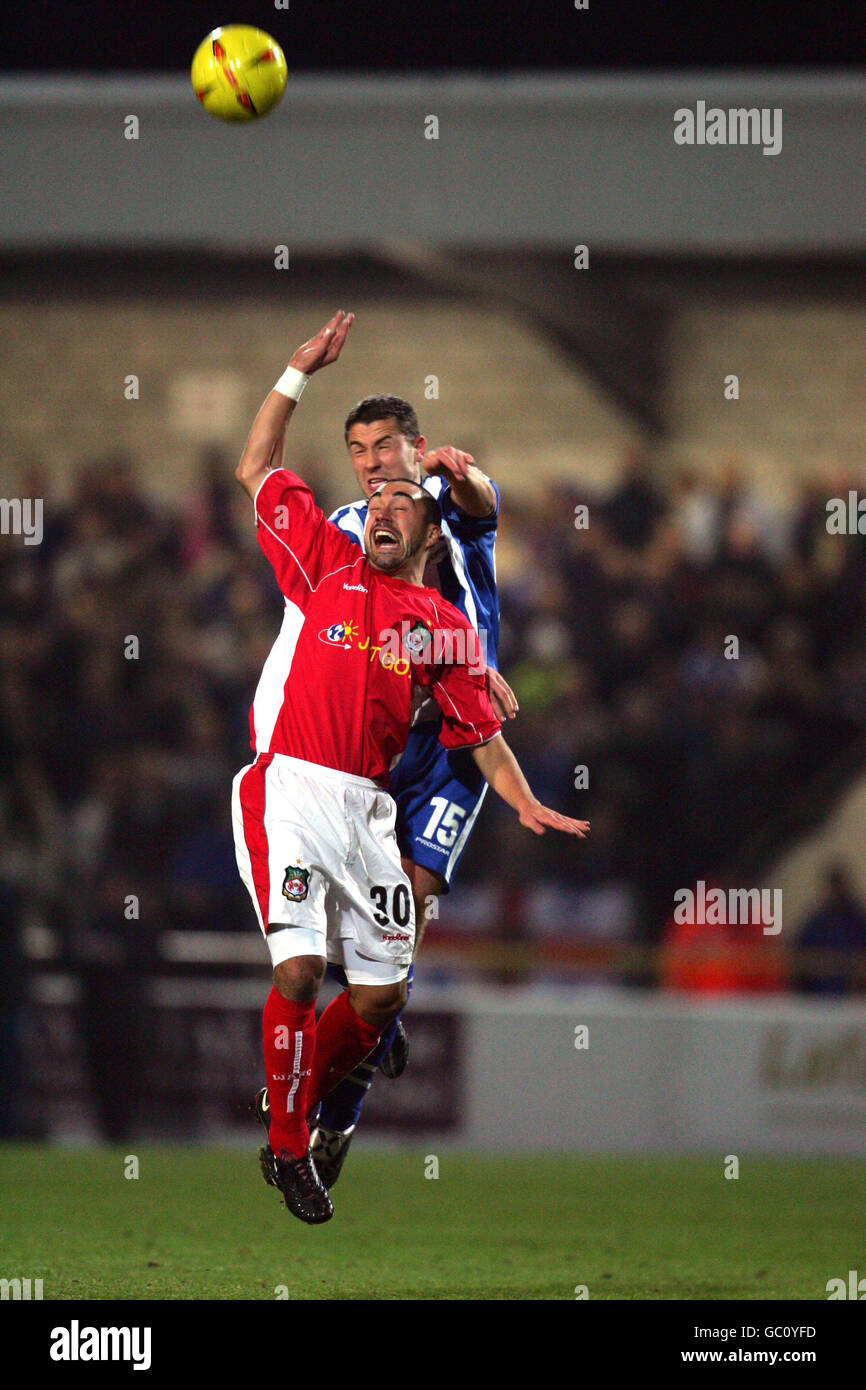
x=204 y=369
x=499 y=1070
x=522 y=161
x=666 y=1074
x=801 y=368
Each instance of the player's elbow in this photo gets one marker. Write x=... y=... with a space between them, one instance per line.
x=249 y=473
x=245 y=470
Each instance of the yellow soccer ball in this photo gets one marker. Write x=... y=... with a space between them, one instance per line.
x=238 y=72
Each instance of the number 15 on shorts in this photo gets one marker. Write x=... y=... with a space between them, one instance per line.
x=445 y=823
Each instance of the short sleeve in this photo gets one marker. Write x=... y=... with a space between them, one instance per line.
x=455 y=673
x=464 y=526
x=295 y=535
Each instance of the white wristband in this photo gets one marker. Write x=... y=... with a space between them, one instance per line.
x=292 y=383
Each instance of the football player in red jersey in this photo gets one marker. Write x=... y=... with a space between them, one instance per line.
x=314 y=827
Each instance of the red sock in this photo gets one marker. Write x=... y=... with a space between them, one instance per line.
x=343 y=1039
x=289 y=1037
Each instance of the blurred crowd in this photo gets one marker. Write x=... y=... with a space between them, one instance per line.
x=700 y=650
x=686 y=658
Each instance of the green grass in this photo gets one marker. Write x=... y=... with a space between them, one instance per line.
x=200 y=1224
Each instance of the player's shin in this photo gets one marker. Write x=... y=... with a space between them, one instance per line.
x=389 y=1039
x=343 y=1039
x=289 y=1040
x=341 y=1107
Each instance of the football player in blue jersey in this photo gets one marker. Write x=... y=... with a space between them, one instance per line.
x=438 y=793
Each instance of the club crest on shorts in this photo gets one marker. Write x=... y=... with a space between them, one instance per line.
x=296 y=883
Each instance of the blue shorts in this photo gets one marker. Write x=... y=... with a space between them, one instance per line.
x=438 y=795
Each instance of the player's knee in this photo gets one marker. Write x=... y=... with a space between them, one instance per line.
x=300 y=978
x=379 y=1004
x=397 y=1003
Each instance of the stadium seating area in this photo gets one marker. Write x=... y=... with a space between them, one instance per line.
x=613 y=637
x=131 y=640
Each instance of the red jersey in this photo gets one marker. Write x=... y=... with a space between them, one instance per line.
x=337 y=686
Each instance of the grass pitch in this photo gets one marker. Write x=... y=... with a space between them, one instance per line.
x=201 y=1224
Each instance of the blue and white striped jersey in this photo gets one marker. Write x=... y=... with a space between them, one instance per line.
x=468 y=574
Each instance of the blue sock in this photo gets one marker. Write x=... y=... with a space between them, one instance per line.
x=341 y=1108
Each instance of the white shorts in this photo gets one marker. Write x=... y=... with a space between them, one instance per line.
x=318 y=853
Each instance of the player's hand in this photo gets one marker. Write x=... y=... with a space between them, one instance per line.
x=453 y=463
x=325 y=347
x=502 y=697
x=540 y=818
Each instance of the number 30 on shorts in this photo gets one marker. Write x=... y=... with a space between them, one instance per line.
x=401 y=905
x=445 y=822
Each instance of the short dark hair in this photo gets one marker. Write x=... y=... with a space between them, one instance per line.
x=432 y=510
x=373 y=408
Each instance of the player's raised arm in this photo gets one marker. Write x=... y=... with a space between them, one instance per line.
x=501 y=769
x=264 y=447
x=471 y=489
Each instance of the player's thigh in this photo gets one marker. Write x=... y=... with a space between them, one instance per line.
x=438 y=796
x=287 y=855
x=427 y=887
x=371 y=914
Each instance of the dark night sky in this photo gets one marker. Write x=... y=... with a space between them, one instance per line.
x=372 y=36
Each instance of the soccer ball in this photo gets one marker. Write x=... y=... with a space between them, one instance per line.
x=238 y=72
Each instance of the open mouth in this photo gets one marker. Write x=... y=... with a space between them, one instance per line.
x=384 y=538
